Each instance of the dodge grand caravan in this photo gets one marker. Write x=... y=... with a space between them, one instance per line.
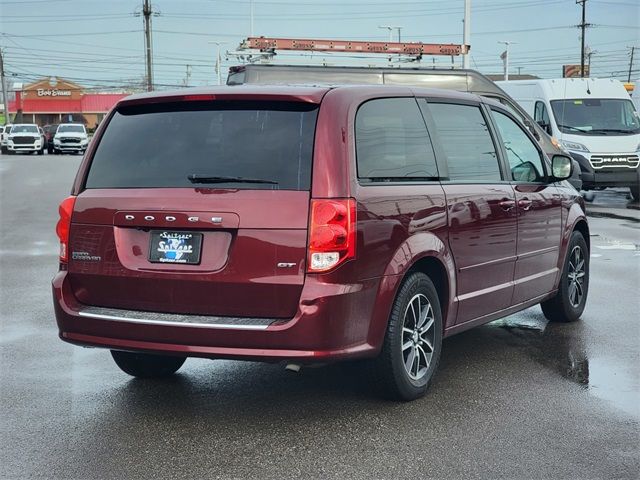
x=313 y=224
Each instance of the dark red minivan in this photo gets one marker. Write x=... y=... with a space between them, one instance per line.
x=313 y=224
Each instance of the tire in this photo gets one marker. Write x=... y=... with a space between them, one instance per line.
x=635 y=192
x=569 y=302
x=146 y=365
x=402 y=341
x=41 y=151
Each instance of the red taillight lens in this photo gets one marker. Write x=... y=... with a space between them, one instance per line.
x=64 y=225
x=332 y=233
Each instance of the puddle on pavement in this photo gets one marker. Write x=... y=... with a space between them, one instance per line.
x=604 y=243
x=564 y=349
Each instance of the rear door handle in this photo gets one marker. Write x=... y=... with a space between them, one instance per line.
x=525 y=203
x=507 y=205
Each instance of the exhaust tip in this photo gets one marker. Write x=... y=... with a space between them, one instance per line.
x=293 y=367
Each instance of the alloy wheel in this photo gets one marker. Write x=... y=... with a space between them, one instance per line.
x=575 y=276
x=418 y=331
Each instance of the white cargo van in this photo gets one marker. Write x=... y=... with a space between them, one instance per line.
x=594 y=119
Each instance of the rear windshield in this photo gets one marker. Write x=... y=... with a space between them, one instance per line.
x=216 y=144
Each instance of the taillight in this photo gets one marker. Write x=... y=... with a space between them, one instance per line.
x=332 y=233
x=64 y=225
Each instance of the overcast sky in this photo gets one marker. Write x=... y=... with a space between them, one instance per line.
x=100 y=42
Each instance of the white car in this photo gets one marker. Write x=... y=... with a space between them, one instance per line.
x=4 y=134
x=70 y=137
x=25 y=137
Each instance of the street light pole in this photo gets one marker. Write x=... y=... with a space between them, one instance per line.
x=219 y=60
x=505 y=58
x=391 y=28
x=466 y=33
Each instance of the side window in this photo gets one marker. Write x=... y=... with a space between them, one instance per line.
x=392 y=141
x=541 y=116
x=466 y=141
x=524 y=157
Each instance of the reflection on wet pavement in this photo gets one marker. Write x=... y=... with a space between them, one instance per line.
x=568 y=350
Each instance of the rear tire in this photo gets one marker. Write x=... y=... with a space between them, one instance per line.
x=569 y=302
x=413 y=341
x=146 y=365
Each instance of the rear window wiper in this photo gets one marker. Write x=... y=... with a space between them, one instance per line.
x=209 y=179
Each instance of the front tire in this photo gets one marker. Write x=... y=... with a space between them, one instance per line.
x=569 y=302
x=635 y=192
x=146 y=365
x=413 y=341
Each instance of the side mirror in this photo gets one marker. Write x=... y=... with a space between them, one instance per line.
x=561 y=167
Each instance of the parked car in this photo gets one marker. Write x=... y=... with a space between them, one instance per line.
x=310 y=225
x=6 y=130
x=70 y=138
x=596 y=122
x=25 y=137
x=49 y=132
x=462 y=80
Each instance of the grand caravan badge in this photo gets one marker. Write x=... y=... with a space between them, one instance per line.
x=175 y=247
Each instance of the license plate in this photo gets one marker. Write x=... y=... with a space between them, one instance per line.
x=175 y=247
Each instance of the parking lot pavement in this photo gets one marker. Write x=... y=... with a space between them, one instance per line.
x=518 y=398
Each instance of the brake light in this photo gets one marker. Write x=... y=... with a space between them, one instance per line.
x=64 y=225
x=332 y=233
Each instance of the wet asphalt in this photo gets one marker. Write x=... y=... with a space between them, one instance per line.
x=518 y=398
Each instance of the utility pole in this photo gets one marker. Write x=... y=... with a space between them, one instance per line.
x=466 y=33
x=218 y=61
x=583 y=25
x=146 y=12
x=4 y=89
x=628 y=77
x=187 y=76
x=505 y=58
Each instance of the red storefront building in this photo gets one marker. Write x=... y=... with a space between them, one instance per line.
x=55 y=100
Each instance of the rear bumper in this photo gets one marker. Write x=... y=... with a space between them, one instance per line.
x=332 y=323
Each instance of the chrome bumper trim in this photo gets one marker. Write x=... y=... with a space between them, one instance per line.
x=174 y=319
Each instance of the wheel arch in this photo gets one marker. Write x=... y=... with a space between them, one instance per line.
x=583 y=227
x=433 y=268
x=433 y=259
